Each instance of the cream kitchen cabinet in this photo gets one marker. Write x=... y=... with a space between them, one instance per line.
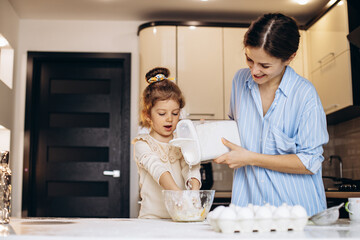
x=333 y=83
x=200 y=71
x=327 y=37
x=299 y=62
x=157 y=48
x=203 y=60
x=194 y=56
x=234 y=59
x=329 y=59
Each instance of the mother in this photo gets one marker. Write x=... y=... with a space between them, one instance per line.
x=281 y=122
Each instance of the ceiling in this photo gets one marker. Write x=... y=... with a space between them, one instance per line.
x=238 y=11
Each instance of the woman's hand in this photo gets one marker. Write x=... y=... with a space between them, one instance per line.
x=240 y=157
x=236 y=158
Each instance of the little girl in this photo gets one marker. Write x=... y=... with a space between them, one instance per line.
x=161 y=165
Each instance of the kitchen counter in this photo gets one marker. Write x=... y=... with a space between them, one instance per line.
x=329 y=194
x=222 y=194
x=123 y=228
x=336 y=194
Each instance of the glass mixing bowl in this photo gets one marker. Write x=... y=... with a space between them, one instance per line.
x=188 y=205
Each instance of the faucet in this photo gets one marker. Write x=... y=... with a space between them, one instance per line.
x=336 y=157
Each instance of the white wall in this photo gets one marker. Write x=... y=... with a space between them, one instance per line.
x=74 y=36
x=9 y=28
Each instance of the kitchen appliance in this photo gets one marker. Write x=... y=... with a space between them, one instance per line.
x=343 y=184
x=206 y=173
x=335 y=181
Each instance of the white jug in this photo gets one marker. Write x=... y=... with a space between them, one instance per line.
x=201 y=140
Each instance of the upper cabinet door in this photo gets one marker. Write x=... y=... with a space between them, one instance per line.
x=200 y=71
x=234 y=59
x=299 y=62
x=333 y=83
x=157 y=49
x=327 y=37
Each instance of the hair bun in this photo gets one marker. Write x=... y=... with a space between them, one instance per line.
x=156 y=71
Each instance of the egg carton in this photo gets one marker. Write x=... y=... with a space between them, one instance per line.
x=259 y=219
x=257 y=225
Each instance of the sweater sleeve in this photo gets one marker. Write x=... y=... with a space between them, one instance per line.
x=150 y=161
x=188 y=173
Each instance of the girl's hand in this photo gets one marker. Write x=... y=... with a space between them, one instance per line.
x=194 y=183
x=236 y=158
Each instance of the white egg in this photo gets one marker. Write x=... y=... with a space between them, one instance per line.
x=245 y=213
x=233 y=206
x=298 y=211
x=267 y=205
x=237 y=208
x=273 y=208
x=228 y=213
x=216 y=212
x=282 y=212
x=256 y=207
x=263 y=212
x=286 y=205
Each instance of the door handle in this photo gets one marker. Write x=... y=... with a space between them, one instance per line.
x=114 y=173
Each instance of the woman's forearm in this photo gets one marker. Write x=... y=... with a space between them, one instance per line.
x=240 y=157
x=282 y=163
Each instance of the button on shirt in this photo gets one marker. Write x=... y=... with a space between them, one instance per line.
x=294 y=124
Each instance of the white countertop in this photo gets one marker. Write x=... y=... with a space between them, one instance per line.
x=329 y=194
x=125 y=228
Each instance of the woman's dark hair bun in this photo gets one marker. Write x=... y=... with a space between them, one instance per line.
x=155 y=71
x=276 y=33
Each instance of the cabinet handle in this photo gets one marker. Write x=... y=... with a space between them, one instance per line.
x=202 y=114
x=331 y=54
x=331 y=107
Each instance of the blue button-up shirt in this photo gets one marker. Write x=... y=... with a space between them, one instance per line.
x=294 y=124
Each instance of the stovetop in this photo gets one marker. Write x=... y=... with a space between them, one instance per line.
x=348 y=187
x=344 y=185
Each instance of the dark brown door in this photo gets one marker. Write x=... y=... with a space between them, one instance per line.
x=77 y=135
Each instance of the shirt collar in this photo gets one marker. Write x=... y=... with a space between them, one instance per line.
x=284 y=84
x=250 y=82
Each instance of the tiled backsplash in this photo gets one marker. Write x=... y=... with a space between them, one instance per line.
x=344 y=142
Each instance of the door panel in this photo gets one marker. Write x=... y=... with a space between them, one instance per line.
x=78 y=118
